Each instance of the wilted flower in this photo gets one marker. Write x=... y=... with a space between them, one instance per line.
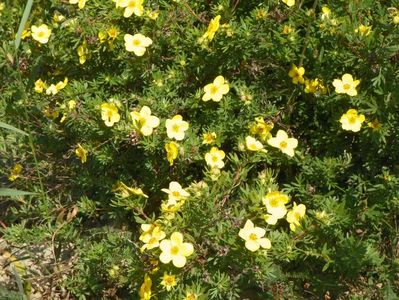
x=295 y=214
x=40 y=85
x=253 y=144
x=212 y=28
x=363 y=30
x=15 y=172
x=172 y=150
x=124 y=191
x=297 y=74
x=145 y=289
x=208 y=138
x=81 y=153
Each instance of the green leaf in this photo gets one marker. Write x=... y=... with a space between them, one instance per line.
x=21 y=27
x=12 y=128
x=5 y=192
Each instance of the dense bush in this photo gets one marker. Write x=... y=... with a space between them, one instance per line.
x=263 y=133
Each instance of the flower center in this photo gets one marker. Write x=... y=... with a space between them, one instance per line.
x=253 y=237
x=174 y=250
x=214 y=89
x=175 y=128
x=283 y=144
x=352 y=120
x=215 y=158
x=136 y=43
x=41 y=34
x=347 y=86
x=176 y=194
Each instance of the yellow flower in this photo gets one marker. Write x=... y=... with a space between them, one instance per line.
x=25 y=33
x=275 y=205
x=153 y=15
x=363 y=30
x=176 y=127
x=39 y=86
x=58 y=17
x=347 y=85
x=53 y=89
x=297 y=74
x=168 y=281
x=41 y=33
x=253 y=237
x=81 y=153
x=109 y=114
x=289 y=2
x=175 y=192
x=214 y=158
x=131 y=7
x=208 y=138
x=261 y=128
x=295 y=214
x=325 y=12
x=216 y=89
x=124 y=191
x=375 y=125
x=113 y=32
x=287 y=29
x=190 y=296
x=144 y=121
x=212 y=28
x=282 y=142
x=102 y=36
x=175 y=250
x=315 y=86
x=80 y=3
x=151 y=236
x=71 y=104
x=253 y=144
x=15 y=172
x=137 y=43
x=261 y=14
x=145 y=289
x=82 y=53
x=172 y=150
x=352 y=121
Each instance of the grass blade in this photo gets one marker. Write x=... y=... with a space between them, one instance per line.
x=5 y=192
x=21 y=27
x=12 y=128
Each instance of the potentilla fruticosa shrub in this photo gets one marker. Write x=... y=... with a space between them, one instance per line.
x=204 y=149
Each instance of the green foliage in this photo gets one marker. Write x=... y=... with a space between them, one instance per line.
x=92 y=185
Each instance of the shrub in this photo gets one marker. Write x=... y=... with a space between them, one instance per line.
x=203 y=149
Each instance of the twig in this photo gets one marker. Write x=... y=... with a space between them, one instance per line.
x=193 y=12
x=235 y=184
